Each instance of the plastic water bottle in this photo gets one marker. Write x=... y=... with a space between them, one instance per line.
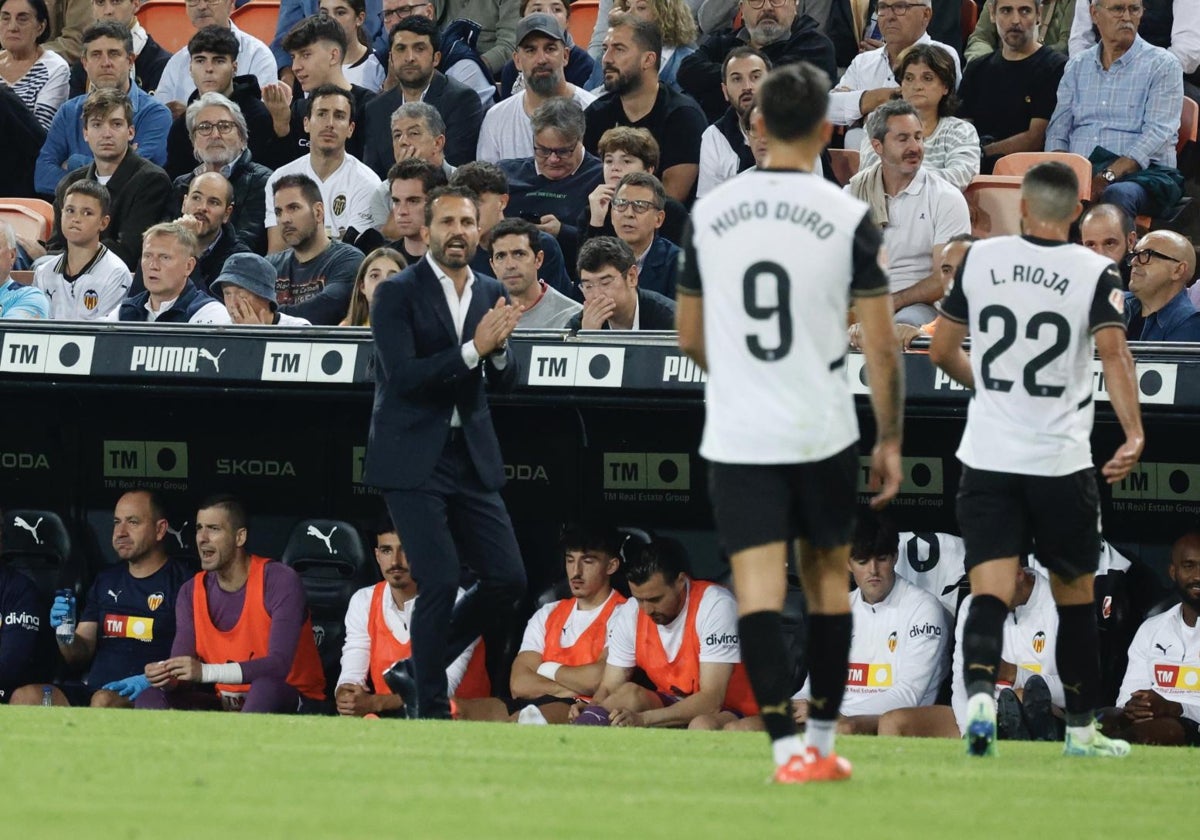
x=65 y=632
x=47 y=696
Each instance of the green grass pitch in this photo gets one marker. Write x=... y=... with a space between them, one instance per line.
x=80 y=773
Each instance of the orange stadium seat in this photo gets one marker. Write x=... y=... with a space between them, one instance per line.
x=1018 y=163
x=168 y=22
x=995 y=205
x=259 y=18
x=583 y=21
x=970 y=16
x=29 y=217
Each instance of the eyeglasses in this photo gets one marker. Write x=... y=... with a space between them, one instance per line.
x=758 y=4
x=898 y=9
x=1133 y=10
x=204 y=129
x=560 y=153
x=401 y=12
x=593 y=285
x=638 y=206
x=1143 y=256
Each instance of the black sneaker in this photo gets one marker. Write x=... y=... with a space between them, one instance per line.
x=1039 y=716
x=399 y=678
x=1010 y=723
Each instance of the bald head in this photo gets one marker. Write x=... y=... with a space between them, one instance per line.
x=1174 y=245
x=1107 y=230
x=215 y=181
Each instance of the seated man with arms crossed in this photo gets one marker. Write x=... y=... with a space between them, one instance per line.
x=242 y=624
x=683 y=634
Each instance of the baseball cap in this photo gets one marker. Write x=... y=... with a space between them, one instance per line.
x=250 y=272
x=540 y=22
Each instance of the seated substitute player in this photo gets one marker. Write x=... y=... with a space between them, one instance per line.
x=242 y=625
x=88 y=282
x=1160 y=696
x=682 y=633
x=128 y=618
x=20 y=623
x=1034 y=306
x=377 y=635
x=780 y=428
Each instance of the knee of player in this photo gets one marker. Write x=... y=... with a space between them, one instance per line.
x=704 y=722
x=624 y=696
x=27 y=695
x=109 y=700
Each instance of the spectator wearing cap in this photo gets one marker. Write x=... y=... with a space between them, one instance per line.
x=541 y=56
x=247 y=286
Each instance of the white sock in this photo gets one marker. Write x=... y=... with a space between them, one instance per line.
x=819 y=734
x=981 y=702
x=784 y=748
x=1082 y=734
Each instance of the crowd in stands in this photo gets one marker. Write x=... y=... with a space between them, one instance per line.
x=317 y=150
x=627 y=636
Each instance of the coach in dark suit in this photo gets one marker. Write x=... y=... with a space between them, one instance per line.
x=458 y=104
x=432 y=448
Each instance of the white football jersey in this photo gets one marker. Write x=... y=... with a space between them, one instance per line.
x=1032 y=306
x=777 y=256
x=347 y=194
x=934 y=562
x=93 y=294
x=1030 y=642
x=1165 y=658
x=898 y=652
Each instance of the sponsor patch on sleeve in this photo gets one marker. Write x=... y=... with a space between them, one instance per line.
x=1117 y=298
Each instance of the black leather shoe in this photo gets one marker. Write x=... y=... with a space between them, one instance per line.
x=399 y=678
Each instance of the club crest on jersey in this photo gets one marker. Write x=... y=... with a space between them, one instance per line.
x=155 y=601
x=1117 y=298
x=1039 y=642
x=892 y=642
x=91 y=299
x=339 y=204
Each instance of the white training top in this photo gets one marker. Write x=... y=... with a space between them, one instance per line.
x=898 y=653
x=347 y=194
x=356 y=650
x=716 y=627
x=777 y=256
x=1165 y=658
x=1032 y=306
x=92 y=295
x=934 y=562
x=1030 y=640
x=576 y=625
x=507 y=131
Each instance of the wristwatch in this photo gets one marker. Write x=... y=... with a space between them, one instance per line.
x=1108 y=175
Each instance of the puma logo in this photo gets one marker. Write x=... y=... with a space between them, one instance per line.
x=783 y=709
x=325 y=538
x=1157 y=646
x=18 y=522
x=216 y=360
x=177 y=533
x=987 y=669
x=116 y=596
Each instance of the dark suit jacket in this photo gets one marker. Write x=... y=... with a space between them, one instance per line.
x=655 y=312
x=140 y=192
x=420 y=377
x=460 y=109
x=659 y=269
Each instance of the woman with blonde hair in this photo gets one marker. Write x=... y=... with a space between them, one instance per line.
x=378 y=266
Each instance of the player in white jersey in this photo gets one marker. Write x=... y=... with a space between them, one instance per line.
x=782 y=253
x=1159 y=702
x=1034 y=305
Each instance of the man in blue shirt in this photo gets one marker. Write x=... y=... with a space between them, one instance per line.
x=1119 y=104
x=128 y=618
x=17 y=300
x=1157 y=307
x=107 y=58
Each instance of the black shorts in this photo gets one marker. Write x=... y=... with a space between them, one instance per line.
x=1005 y=515
x=757 y=504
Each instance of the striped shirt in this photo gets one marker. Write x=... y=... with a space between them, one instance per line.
x=44 y=86
x=1132 y=108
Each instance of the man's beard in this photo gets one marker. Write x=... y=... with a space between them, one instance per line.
x=622 y=84
x=545 y=84
x=219 y=158
x=768 y=32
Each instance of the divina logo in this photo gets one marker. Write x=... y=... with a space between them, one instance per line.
x=722 y=639
x=924 y=630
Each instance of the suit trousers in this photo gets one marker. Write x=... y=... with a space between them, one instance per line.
x=451 y=520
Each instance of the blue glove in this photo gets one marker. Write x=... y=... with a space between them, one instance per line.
x=130 y=687
x=61 y=609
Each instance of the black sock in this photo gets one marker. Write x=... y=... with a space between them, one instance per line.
x=828 y=657
x=769 y=669
x=1078 y=657
x=983 y=638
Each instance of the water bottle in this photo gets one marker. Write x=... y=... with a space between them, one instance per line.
x=65 y=632
x=47 y=696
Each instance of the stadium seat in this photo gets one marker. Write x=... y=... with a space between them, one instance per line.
x=845 y=164
x=30 y=217
x=37 y=544
x=258 y=18
x=1189 y=126
x=969 y=14
x=168 y=23
x=583 y=21
x=994 y=203
x=1018 y=163
x=328 y=555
